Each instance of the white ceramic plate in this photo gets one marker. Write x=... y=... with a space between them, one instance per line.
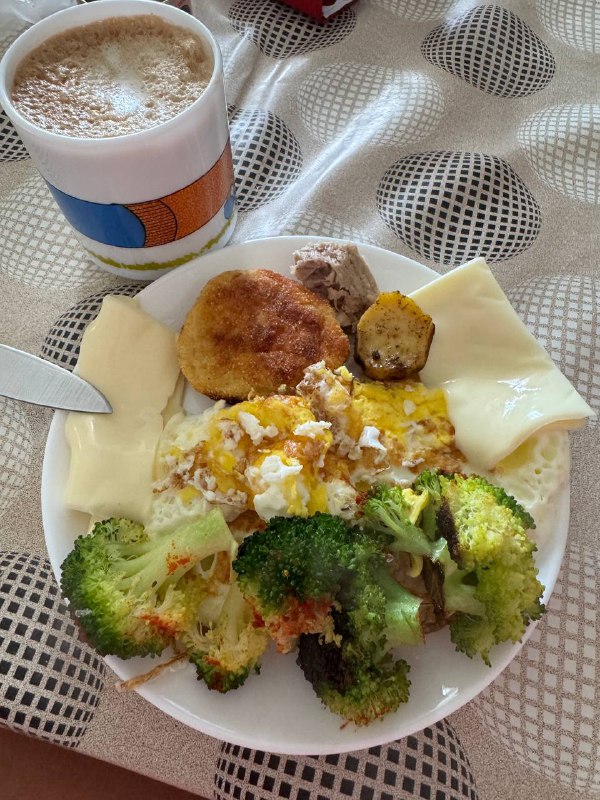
x=278 y=710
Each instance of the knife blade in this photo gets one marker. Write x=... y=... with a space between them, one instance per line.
x=24 y=376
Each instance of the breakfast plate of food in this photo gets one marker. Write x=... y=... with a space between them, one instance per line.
x=332 y=498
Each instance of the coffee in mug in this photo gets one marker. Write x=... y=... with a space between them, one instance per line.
x=112 y=77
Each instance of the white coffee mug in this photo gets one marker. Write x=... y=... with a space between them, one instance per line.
x=143 y=203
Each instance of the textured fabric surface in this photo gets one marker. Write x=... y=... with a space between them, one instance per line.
x=439 y=129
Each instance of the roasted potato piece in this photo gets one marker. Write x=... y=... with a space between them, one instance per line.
x=254 y=331
x=393 y=338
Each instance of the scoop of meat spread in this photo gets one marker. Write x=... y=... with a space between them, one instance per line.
x=338 y=273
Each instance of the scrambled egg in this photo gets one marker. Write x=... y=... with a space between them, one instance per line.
x=286 y=455
x=266 y=455
x=385 y=430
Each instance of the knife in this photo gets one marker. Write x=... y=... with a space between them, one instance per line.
x=29 y=378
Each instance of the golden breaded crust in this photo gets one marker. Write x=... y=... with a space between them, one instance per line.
x=255 y=330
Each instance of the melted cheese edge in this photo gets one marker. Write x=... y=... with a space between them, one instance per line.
x=501 y=385
x=131 y=358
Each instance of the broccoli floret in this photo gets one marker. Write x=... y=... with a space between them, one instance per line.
x=351 y=678
x=355 y=673
x=328 y=583
x=504 y=499
x=430 y=482
x=292 y=572
x=393 y=513
x=490 y=575
x=226 y=652
x=131 y=593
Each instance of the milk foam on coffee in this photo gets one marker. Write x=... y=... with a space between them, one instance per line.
x=112 y=77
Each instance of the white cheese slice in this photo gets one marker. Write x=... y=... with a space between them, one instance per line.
x=131 y=358
x=501 y=385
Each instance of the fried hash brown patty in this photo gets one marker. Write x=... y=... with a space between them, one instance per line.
x=254 y=330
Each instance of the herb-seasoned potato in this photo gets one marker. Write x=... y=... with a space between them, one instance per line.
x=393 y=338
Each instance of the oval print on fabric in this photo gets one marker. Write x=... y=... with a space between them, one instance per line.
x=11 y=146
x=450 y=207
x=15 y=451
x=492 y=49
x=61 y=344
x=552 y=683
x=266 y=156
x=51 y=681
x=280 y=31
x=379 y=105
x=562 y=312
x=312 y=223
x=575 y=22
x=562 y=145
x=37 y=245
x=416 y=10
x=430 y=764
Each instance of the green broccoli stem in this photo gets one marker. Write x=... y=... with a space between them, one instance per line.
x=387 y=517
x=458 y=594
x=402 y=613
x=236 y=610
x=157 y=564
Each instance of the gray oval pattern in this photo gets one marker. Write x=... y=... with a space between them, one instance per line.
x=452 y=206
x=543 y=708
x=385 y=106
x=575 y=22
x=311 y=223
x=416 y=10
x=37 y=246
x=11 y=146
x=61 y=344
x=430 y=764
x=562 y=312
x=15 y=451
x=491 y=48
x=266 y=156
x=50 y=681
x=8 y=35
x=281 y=32
x=562 y=145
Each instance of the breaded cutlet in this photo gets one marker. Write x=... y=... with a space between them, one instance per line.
x=254 y=331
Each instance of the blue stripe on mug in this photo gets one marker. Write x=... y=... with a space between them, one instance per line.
x=109 y=223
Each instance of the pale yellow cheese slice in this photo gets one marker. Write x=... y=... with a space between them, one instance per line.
x=131 y=358
x=501 y=385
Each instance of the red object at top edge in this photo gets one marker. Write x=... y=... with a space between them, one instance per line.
x=314 y=8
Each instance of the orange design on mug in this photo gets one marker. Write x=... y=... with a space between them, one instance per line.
x=155 y=222
x=178 y=214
